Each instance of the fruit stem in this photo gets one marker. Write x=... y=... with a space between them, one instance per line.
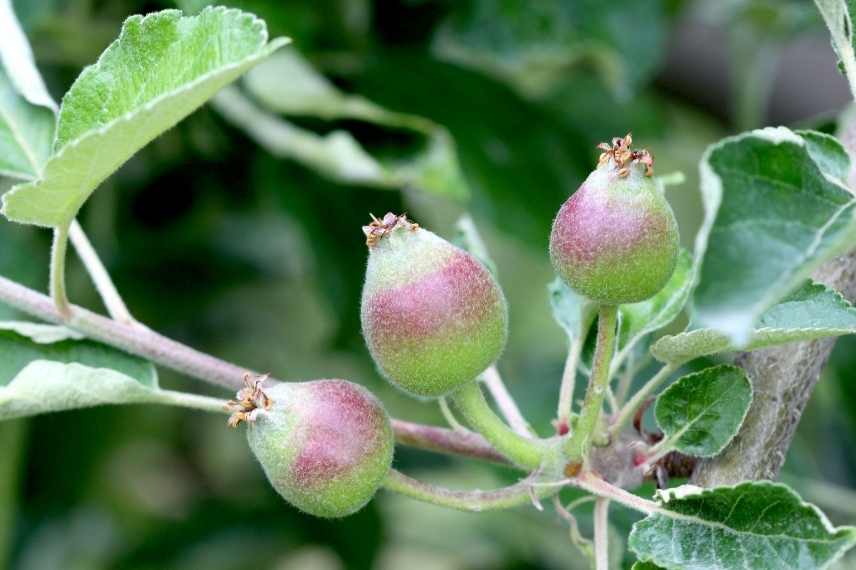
x=505 y=402
x=523 y=451
x=578 y=445
x=520 y=494
x=626 y=413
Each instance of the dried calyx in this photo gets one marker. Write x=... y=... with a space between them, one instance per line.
x=379 y=228
x=623 y=156
x=249 y=401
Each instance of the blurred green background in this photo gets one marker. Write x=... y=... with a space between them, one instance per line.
x=223 y=235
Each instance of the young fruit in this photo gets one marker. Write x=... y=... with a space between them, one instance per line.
x=615 y=240
x=326 y=446
x=433 y=317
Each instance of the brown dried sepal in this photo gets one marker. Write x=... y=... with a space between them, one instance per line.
x=248 y=401
x=623 y=156
x=376 y=230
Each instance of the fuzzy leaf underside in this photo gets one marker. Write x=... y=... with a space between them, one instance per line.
x=759 y=525
x=286 y=84
x=702 y=412
x=782 y=208
x=814 y=311
x=45 y=368
x=161 y=68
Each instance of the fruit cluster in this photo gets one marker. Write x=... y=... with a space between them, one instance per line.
x=434 y=319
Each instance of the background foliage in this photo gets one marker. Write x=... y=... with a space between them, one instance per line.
x=224 y=234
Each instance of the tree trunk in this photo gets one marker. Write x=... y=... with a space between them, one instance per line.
x=783 y=379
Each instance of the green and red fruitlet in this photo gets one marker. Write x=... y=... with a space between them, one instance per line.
x=433 y=317
x=326 y=446
x=615 y=240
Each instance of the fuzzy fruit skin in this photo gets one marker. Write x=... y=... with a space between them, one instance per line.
x=433 y=317
x=326 y=446
x=615 y=240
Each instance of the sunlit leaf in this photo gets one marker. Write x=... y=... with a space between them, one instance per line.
x=813 y=311
x=784 y=208
x=162 y=67
x=758 y=525
x=27 y=112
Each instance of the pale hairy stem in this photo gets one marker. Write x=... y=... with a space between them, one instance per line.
x=569 y=380
x=145 y=343
x=782 y=380
x=627 y=412
x=194 y=401
x=592 y=483
x=569 y=374
x=505 y=402
x=113 y=302
x=584 y=545
x=520 y=494
x=57 y=270
x=601 y=534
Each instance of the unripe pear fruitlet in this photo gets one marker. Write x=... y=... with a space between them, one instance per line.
x=433 y=317
x=326 y=446
x=615 y=240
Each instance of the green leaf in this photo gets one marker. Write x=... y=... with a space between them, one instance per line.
x=27 y=112
x=700 y=413
x=161 y=68
x=783 y=210
x=638 y=320
x=288 y=85
x=533 y=45
x=814 y=311
x=645 y=566
x=572 y=311
x=758 y=525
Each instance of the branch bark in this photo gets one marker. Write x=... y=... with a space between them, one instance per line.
x=783 y=379
x=145 y=343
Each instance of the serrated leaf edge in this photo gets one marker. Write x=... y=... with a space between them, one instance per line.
x=266 y=49
x=663 y=498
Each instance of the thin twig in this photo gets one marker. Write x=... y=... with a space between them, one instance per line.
x=98 y=273
x=145 y=343
x=601 y=534
x=505 y=402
